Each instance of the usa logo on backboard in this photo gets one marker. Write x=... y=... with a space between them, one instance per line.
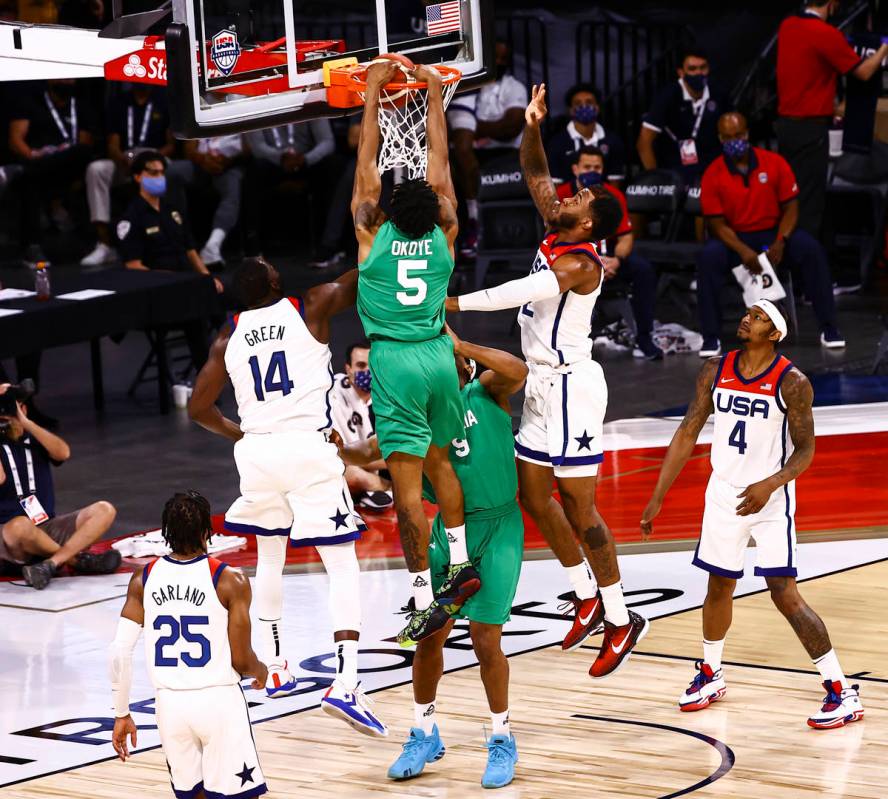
x=225 y=50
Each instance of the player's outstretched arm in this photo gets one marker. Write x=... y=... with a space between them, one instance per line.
x=571 y=271
x=798 y=396
x=120 y=667
x=234 y=593
x=683 y=442
x=533 y=158
x=365 y=195
x=328 y=299
x=208 y=386
x=505 y=372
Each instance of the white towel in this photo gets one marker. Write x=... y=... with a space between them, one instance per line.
x=152 y=545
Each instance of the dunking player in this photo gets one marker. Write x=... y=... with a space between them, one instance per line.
x=485 y=463
x=405 y=262
x=196 y=615
x=291 y=477
x=566 y=396
x=756 y=394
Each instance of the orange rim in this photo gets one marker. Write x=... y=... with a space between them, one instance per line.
x=448 y=74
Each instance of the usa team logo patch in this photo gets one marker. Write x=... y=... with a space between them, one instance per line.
x=763 y=177
x=225 y=51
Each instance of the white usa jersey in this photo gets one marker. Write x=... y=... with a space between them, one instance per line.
x=556 y=331
x=280 y=372
x=352 y=417
x=186 y=626
x=750 y=441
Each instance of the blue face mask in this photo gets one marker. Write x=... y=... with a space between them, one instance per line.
x=362 y=379
x=586 y=180
x=155 y=186
x=696 y=83
x=585 y=114
x=735 y=148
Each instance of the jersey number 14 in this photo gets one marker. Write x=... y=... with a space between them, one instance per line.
x=276 y=376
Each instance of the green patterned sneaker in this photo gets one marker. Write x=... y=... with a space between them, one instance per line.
x=462 y=581
x=422 y=623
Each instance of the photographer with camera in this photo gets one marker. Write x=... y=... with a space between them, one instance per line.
x=31 y=535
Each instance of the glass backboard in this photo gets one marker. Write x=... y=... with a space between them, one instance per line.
x=236 y=65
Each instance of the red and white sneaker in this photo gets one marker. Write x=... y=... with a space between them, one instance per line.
x=707 y=687
x=280 y=681
x=588 y=619
x=839 y=707
x=618 y=644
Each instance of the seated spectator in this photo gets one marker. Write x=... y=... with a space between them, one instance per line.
x=585 y=130
x=484 y=125
x=32 y=537
x=680 y=130
x=616 y=254
x=137 y=121
x=217 y=161
x=290 y=152
x=750 y=199
x=339 y=219
x=154 y=234
x=352 y=410
x=51 y=135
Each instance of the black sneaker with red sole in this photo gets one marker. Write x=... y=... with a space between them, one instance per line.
x=618 y=644
x=462 y=582
x=588 y=619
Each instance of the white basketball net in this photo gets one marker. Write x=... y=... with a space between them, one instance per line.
x=402 y=128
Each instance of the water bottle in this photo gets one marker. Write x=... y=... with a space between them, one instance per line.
x=41 y=280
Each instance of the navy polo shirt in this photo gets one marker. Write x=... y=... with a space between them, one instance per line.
x=9 y=500
x=562 y=147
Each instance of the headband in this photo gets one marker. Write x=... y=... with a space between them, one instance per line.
x=774 y=313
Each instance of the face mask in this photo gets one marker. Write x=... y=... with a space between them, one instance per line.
x=586 y=180
x=585 y=114
x=735 y=148
x=696 y=83
x=362 y=379
x=155 y=186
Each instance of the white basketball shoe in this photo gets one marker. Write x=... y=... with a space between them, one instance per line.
x=280 y=681
x=839 y=707
x=353 y=707
x=707 y=687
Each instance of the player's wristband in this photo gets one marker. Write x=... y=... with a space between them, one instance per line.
x=539 y=286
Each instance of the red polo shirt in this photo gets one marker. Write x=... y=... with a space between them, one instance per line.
x=811 y=54
x=752 y=201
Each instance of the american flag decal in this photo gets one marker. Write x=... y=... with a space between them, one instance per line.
x=443 y=18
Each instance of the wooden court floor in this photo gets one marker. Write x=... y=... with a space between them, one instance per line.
x=622 y=737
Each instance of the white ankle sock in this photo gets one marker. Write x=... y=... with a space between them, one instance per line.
x=423 y=596
x=499 y=723
x=829 y=668
x=712 y=653
x=424 y=716
x=582 y=580
x=456 y=537
x=347 y=663
x=614 y=604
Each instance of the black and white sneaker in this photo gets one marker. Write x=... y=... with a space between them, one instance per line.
x=831 y=338
x=376 y=500
x=38 y=575
x=97 y=562
x=711 y=347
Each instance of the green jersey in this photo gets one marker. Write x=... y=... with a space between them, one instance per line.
x=403 y=284
x=484 y=461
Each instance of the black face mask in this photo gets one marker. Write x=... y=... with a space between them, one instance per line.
x=696 y=83
x=501 y=69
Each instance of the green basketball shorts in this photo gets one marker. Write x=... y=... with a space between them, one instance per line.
x=495 y=542
x=416 y=397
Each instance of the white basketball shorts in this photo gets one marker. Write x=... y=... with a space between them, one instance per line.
x=562 y=422
x=208 y=743
x=293 y=484
x=725 y=535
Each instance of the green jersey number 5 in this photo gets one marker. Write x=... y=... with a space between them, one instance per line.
x=417 y=284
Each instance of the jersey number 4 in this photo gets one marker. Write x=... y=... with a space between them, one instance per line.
x=181 y=630
x=417 y=284
x=276 y=376
x=738 y=436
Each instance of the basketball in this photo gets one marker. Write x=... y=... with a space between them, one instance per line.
x=405 y=63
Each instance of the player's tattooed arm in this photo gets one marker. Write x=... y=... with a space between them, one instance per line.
x=683 y=442
x=798 y=396
x=208 y=386
x=533 y=158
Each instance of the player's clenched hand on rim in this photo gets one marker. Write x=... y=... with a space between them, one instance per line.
x=123 y=727
x=381 y=73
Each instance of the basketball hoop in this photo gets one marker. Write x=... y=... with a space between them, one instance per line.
x=403 y=105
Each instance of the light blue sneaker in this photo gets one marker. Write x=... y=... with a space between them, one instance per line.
x=419 y=749
x=502 y=755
